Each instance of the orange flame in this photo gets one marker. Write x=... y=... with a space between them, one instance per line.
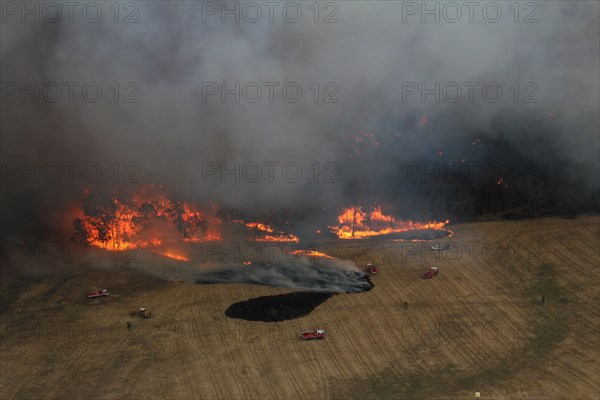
x=150 y=219
x=267 y=233
x=312 y=253
x=174 y=256
x=356 y=223
x=140 y=221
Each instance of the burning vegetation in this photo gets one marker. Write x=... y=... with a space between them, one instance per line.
x=150 y=218
x=145 y=219
x=358 y=222
x=265 y=233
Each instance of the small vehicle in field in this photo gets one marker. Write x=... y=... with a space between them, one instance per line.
x=313 y=334
x=437 y=247
x=98 y=293
x=371 y=269
x=433 y=271
x=141 y=313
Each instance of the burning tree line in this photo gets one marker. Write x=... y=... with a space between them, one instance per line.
x=110 y=222
x=151 y=218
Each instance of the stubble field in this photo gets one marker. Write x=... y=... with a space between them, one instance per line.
x=479 y=325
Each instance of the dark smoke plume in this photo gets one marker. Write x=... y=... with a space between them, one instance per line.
x=369 y=53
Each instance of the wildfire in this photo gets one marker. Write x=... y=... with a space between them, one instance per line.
x=364 y=144
x=152 y=219
x=281 y=238
x=312 y=253
x=258 y=225
x=267 y=234
x=356 y=223
x=173 y=255
x=145 y=219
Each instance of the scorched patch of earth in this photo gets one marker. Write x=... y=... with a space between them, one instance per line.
x=317 y=282
x=278 y=307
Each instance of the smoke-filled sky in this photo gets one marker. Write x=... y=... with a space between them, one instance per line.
x=370 y=57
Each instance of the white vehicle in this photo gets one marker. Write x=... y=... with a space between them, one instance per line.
x=438 y=247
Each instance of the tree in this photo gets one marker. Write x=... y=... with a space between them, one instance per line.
x=101 y=213
x=536 y=194
x=80 y=236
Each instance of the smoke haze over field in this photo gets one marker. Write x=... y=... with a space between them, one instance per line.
x=172 y=131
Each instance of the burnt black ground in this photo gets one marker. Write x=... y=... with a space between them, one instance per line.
x=280 y=307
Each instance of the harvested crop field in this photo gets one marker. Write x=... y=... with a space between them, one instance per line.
x=480 y=325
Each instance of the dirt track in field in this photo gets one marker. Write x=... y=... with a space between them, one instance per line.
x=477 y=326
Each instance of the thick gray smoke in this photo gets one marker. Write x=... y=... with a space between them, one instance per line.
x=278 y=267
x=304 y=276
x=372 y=55
x=342 y=277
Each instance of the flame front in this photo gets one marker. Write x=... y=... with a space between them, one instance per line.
x=265 y=233
x=312 y=253
x=152 y=219
x=173 y=255
x=362 y=222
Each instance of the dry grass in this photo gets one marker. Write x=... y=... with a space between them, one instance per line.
x=478 y=326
